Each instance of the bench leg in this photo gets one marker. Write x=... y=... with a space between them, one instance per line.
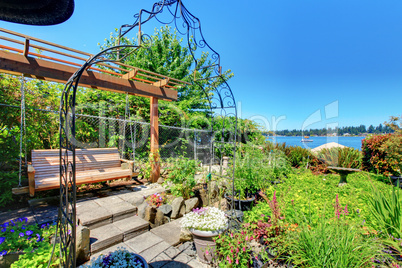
x=31 y=181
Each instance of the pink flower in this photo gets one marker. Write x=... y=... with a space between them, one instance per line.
x=246 y=238
x=237 y=261
x=237 y=250
x=206 y=252
x=231 y=251
x=227 y=258
x=244 y=249
x=230 y=261
x=231 y=235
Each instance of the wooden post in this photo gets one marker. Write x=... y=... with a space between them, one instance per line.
x=155 y=140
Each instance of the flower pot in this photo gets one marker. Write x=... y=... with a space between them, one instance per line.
x=395 y=180
x=204 y=244
x=241 y=204
x=9 y=258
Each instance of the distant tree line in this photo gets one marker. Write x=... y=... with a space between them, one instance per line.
x=354 y=131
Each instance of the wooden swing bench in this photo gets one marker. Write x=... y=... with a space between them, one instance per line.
x=92 y=165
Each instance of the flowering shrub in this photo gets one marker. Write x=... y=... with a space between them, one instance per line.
x=374 y=157
x=233 y=249
x=205 y=219
x=17 y=235
x=156 y=199
x=120 y=258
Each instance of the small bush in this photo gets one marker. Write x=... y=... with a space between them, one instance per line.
x=298 y=156
x=375 y=155
x=181 y=174
x=341 y=157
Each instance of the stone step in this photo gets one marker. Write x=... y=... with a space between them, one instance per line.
x=100 y=212
x=116 y=232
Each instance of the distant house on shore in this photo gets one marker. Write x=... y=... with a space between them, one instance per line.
x=346 y=134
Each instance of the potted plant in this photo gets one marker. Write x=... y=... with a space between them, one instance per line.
x=246 y=174
x=205 y=224
x=121 y=258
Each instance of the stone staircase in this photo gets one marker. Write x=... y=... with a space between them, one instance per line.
x=111 y=220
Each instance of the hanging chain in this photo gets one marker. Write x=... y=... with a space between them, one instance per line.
x=22 y=130
x=124 y=128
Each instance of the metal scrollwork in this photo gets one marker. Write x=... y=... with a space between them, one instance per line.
x=66 y=225
x=218 y=93
x=221 y=102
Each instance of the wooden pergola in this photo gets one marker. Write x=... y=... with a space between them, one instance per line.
x=35 y=58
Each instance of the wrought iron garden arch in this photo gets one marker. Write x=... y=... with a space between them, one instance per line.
x=218 y=93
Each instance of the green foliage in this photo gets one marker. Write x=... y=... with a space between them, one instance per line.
x=181 y=176
x=256 y=169
x=39 y=257
x=333 y=244
x=9 y=149
x=341 y=157
x=306 y=193
x=386 y=208
x=299 y=156
x=32 y=239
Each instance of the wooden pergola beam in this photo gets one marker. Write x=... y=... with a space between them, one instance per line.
x=51 y=71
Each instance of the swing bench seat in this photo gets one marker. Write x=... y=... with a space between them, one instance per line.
x=92 y=165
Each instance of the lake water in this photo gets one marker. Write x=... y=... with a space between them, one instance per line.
x=354 y=142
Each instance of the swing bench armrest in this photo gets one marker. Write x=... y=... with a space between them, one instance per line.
x=130 y=164
x=31 y=180
x=31 y=169
x=127 y=161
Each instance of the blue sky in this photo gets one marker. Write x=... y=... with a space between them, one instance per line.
x=290 y=58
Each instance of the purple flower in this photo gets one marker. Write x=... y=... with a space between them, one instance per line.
x=28 y=233
x=29 y=237
x=21 y=234
x=3 y=230
x=23 y=227
x=12 y=230
x=43 y=226
x=106 y=260
x=4 y=252
x=6 y=224
x=2 y=240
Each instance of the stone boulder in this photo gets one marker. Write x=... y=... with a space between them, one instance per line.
x=150 y=214
x=159 y=219
x=176 y=206
x=141 y=210
x=185 y=235
x=191 y=204
x=166 y=209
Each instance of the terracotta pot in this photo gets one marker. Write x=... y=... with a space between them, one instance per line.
x=204 y=244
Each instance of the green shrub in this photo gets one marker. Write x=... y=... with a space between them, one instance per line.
x=386 y=208
x=181 y=176
x=333 y=244
x=341 y=157
x=299 y=156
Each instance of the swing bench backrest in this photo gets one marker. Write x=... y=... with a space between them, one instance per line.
x=92 y=165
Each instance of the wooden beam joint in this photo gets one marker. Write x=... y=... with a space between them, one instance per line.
x=161 y=83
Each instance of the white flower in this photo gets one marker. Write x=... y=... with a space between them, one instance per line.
x=205 y=219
